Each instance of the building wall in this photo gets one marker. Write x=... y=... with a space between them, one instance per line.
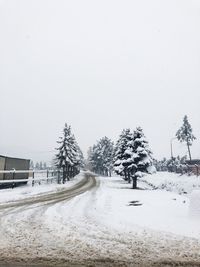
x=7 y=163
x=196 y=170
x=2 y=167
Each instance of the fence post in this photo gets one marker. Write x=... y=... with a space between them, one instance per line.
x=39 y=181
x=47 y=176
x=13 y=177
x=197 y=167
x=33 y=182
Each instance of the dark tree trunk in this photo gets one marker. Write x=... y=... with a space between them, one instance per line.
x=64 y=175
x=68 y=172
x=134 y=182
x=125 y=175
x=129 y=177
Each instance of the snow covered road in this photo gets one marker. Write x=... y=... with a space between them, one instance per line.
x=88 y=230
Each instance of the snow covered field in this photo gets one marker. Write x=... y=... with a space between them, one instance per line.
x=110 y=225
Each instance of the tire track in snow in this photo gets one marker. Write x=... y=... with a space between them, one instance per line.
x=85 y=184
x=22 y=232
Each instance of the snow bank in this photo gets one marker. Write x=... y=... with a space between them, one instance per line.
x=151 y=169
x=194 y=208
x=181 y=184
x=26 y=191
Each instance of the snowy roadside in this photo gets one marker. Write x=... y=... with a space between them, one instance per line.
x=127 y=210
x=116 y=206
x=181 y=184
x=26 y=191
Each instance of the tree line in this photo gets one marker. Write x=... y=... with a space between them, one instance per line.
x=38 y=165
x=129 y=157
x=100 y=157
x=175 y=164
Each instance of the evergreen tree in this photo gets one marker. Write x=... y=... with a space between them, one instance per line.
x=89 y=159
x=175 y=164
x=143 y=155
x=121 y=154
x=184 y=134
x=95 y=159
x=31 y=165
x=45 y=166
x=37 y=166
x=68 y=156
x=107 y=148
x=78 y=160
x=101 y=157
x=41 y=165
x=132 y=155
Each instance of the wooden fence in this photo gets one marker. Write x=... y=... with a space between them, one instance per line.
x=34 y=176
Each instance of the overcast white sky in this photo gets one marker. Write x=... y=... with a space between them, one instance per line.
x=100 y=66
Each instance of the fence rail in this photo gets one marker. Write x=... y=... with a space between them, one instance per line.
x=34 y=176
x=27 y=171
x=14 y=171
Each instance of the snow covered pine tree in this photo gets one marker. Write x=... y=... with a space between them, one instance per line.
x=142 y=155
x=184 y=134
x=132 y=155
x=69 y=157
x=121 y=154
x=107 y=148
x=101 y=157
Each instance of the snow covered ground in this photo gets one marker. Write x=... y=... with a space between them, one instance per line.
x=110 y=225
x=26 y=191
x=117 y=206
x=182 y=184
x=158 y=226
x=125 y=209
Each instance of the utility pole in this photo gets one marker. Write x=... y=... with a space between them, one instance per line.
x=171 y=144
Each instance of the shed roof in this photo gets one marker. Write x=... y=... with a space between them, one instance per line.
x=193 y=162
x=6 y=157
